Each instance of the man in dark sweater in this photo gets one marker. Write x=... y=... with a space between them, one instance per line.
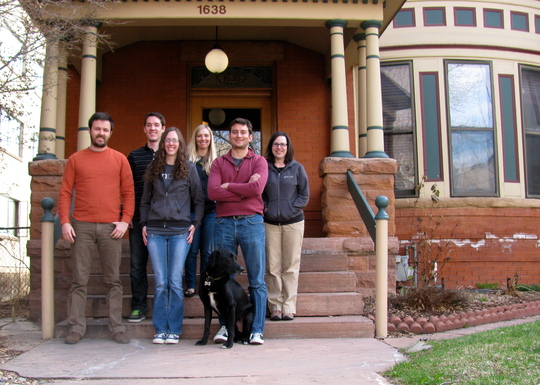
x=139 y=159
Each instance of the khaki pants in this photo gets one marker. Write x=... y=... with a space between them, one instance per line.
x=88 y=236
x=283 y=252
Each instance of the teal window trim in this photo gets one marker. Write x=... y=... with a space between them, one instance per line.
x=461 y=17
x=431 y=125
x=509 y=128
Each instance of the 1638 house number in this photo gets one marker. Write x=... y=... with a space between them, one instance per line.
x=212 y=9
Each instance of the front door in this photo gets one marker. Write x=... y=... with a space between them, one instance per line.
x=219 y=109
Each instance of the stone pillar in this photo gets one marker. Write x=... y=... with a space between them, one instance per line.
x=340 y=120
x=375 y=133
x=61 y=104
x=362 y=94
x=47 y=125
x=87 y=105
x=46 y=181
x=339 y=213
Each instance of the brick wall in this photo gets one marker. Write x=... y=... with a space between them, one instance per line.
x=487 y=240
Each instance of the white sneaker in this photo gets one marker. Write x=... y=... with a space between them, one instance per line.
x=221 y=336
x=172 y=339
x=256 y=339
x=159 y=338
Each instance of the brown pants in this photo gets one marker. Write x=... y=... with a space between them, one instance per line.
x=88 y=236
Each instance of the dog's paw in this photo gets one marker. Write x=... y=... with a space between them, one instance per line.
x=200 y=343
x=227 y=346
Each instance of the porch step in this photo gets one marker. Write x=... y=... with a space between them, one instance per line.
x=308 y=304
x=192 y=329
x=309 y=282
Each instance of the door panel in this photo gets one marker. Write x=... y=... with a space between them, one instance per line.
x=256 y=108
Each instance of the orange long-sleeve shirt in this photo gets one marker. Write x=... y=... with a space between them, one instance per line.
x=101 y=182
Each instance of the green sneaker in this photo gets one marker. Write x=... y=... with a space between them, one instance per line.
x=136 y=316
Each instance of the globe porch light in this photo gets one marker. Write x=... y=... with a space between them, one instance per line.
x=216 y=60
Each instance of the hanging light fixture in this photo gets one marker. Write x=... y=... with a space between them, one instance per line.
x=216 y=60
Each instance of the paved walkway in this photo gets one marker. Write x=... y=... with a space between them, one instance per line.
x=279 y=361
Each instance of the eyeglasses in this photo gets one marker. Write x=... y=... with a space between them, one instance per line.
x=279 y=144
x=169 y=140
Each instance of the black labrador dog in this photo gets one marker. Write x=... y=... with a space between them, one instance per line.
x=220 y=292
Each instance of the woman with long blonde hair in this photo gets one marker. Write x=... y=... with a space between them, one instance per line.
x=202 y=152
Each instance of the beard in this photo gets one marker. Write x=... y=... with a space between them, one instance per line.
x=97 y=144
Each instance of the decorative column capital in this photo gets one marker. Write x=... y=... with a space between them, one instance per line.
x=92 y=23
x=370 y=24
x=359 y=37
x=336 y=23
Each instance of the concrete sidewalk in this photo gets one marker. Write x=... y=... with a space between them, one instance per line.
x=278 y=361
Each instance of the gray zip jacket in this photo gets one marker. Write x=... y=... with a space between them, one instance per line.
x=170 y=207
x=285 y=194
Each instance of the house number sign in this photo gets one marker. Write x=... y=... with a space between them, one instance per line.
x=212 y=9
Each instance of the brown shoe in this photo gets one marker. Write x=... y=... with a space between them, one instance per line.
x=121 y=338
x=287 y=317
x=276 y=315
x=72 y=338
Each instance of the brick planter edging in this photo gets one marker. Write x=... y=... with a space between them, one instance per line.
x=422 y=325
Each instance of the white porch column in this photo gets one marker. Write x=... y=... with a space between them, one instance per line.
x=87 y=104
x=339 y=145
x=61 y=104
x=47 y=125
x=362 y=94
x=375 y=133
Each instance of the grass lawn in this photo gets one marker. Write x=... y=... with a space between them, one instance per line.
x=509 y=355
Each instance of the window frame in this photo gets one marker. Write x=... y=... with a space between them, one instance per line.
x=493 y=10
x=425 y=12
x=451 y=130
x=404 y=10
x=515 y=13
x=473 y=10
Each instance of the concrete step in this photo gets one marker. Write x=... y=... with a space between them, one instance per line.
x=301 y=327
x=309 y=282
x=311 y=261
x=308 y=304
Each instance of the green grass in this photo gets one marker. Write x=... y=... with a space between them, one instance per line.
x=486 y=285
x=509 y=355
x=533 y=287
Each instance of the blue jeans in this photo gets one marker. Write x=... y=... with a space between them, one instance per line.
x=250 y=235
x=168 y=255
x=138 y=262
x=203 y=240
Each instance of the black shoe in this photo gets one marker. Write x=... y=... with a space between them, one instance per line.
x=136 y=316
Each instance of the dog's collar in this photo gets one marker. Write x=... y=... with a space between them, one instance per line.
x=209 y=279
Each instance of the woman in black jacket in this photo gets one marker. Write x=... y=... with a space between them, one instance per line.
x=171 y=183
x=285 y=194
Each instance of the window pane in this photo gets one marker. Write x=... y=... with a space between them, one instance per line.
x=519 y=21
x=530 y=89
x=8 y=219
x=434 y=17
x=532 y=144
x=493 y=19
x=465 y=17
x=537 y=23
x=398 y=124
x=404 y=18
x=473 y=163
x=469 y=94
x=530 y=105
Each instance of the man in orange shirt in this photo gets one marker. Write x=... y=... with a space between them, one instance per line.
x=100 y=179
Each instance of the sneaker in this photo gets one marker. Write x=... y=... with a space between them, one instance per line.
x=288 y=317
x=72 y=338
x=256 y=339
x=136 y=316
x=159 y=338
x=221 y=336
x=172 y=338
